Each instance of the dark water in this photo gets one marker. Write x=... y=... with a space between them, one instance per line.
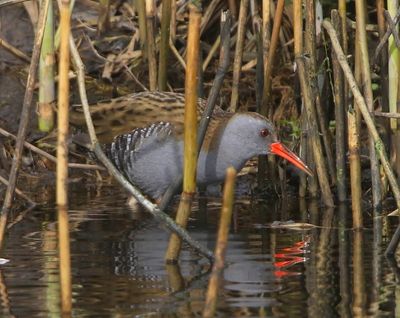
x=119 y=271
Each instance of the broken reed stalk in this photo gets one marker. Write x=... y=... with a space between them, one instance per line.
x=211 y=100
x=164 y=44
x=151 y=44
x=340 y=117
x=237 y=62
x=62 y=159
x=190 y=130
x=23 y=124
x=46 y=76
x=310 y=49
x=156 y=212
x=319 y=159
x=364 y=110
x=222 y=242
x=141 y=12
x=369 y=100
x=12 y=49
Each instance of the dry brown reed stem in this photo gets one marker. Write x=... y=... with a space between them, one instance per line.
x=156 y=212
x=340 y=117
x=46 y=76
x=342 y=8
x=173 y=21
x=164 y=44
x=319 y=159
x=387 y=115
x=62 y=159
x=369 y=100
x=380 y=7
x=104 y=16
x=310 y=48
x=190 y=131
x=364 y=110
x=210 y=54
x=266 y=108
x=298 y=27
x=237 y=63
x=151 y=44
x=233 y=9
x=353 y=122
x=49 y=156
x=177 y=55
x=18 y=53
x=5 y=3
x=222 y=242
x=23 y=124
x=141 y=11
x=266 y=28
x=298 y=51
x=208 y=14
x=394 y=68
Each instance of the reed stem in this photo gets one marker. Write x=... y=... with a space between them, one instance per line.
x=340 y=116
x=368 y=97
x=222 y=242
x=151 y=44
x=190 y=134
x=314 y=136
x=237 y=63
x=164 y=44
x=62 y=158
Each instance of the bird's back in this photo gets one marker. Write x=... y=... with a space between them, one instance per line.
x=121 y=115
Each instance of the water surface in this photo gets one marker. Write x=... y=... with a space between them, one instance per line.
x=119 y=271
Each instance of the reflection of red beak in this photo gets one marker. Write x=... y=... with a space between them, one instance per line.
x=278 y=149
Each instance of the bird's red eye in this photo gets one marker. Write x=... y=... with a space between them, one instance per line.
x=264 y=132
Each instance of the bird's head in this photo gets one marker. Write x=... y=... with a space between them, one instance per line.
x=258 y=137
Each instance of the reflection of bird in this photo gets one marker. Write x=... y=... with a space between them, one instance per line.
x=151 y=157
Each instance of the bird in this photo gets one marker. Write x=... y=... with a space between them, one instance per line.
x=150 y=155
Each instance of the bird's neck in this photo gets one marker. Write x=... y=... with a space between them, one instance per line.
x=223 y=149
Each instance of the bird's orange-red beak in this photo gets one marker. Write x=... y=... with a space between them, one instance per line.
x=279 y=149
